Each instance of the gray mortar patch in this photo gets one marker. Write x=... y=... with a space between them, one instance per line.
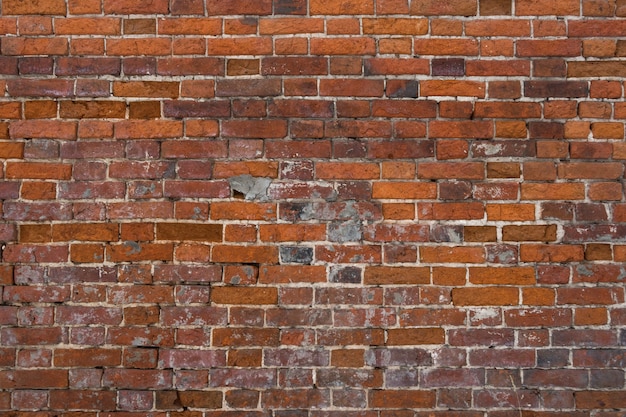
x=251 y=187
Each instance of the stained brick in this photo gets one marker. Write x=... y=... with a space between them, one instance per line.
x=434 y=221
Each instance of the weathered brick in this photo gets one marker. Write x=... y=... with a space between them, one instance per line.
x=245 y=337
x=346 y=7
x=533 y=48
x=402 y=398
x=189 y=231
x=528 y=7
x=123 y=7
x=461 y=129
x=343 y=46
x=34 y=7
x=409 y=154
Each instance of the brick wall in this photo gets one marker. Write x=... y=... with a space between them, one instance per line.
x=324 y=208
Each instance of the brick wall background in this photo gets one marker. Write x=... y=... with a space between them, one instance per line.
x=324 y=208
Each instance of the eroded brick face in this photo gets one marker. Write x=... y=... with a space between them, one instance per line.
x=320 y=208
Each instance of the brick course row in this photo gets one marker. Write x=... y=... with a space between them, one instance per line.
x=312 y=208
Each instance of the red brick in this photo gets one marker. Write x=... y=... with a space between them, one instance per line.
x=151 y=129
x=588 y=296
x=254 y=128
x=564 y=191
x=245 y=254
x=35 y=7
x=294 y=66
x=239 y=295
x=434 y=8
x=261 y=7
x=347 y=254
x=358 y=128
x=502 y=276
x=461 y=129
x=396 y=275
x=126 y=7
x=343 y=46
x=485 y=296
x=239 y=46
x=595 y=399
x=421 y=336
x=359 y=88
x=398 y=66
x=493 y=67
x=533 y=8
x=88 y=26
x=190 y=26
x=139 y=47
x=499 y=27
x=450 y=211
x=38 y=170
x=347 y=7
x=575 y=129
x=452 y=254
x=452 y=46
x=146 y=89
x=243 y=211
x=51 y=294
x=529 y=233
x=451 y=170
x=87 y=357
x=596 y=69
x=395 y=26
x=34 y=46
x=132 y=251
x=352 y=171
x=43 y=129
x=401 y=399
x=551 y=253
x=245 y=337
x=291 y=25
x=552 y=48
x=85 y=232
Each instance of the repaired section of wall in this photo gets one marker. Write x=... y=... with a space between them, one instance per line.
x=320 y=208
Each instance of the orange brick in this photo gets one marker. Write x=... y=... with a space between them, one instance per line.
x=434 y=8
x=444 y=254
x=551 y=253
x=86 y=253
x=35 y=7
x=485 y=296
x=39 y=190
x=399 y=211
x=347 y=7
x=243 y=295
x=535 y=8
x=404 y=190
x=245 y=254
x=561 y=191
x=38 y=170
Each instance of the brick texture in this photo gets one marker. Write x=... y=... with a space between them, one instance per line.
x=312 y=208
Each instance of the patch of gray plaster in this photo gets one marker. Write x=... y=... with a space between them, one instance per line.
x=447 y=233
x=143 y=190
x=584 y=270
x=490 y=149
x=502 y=254
x=344 y=232
x=345 y=275
x=253 y=188
x=296 y=255
x=133 y=248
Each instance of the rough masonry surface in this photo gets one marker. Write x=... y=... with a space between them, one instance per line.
x=312 y=208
